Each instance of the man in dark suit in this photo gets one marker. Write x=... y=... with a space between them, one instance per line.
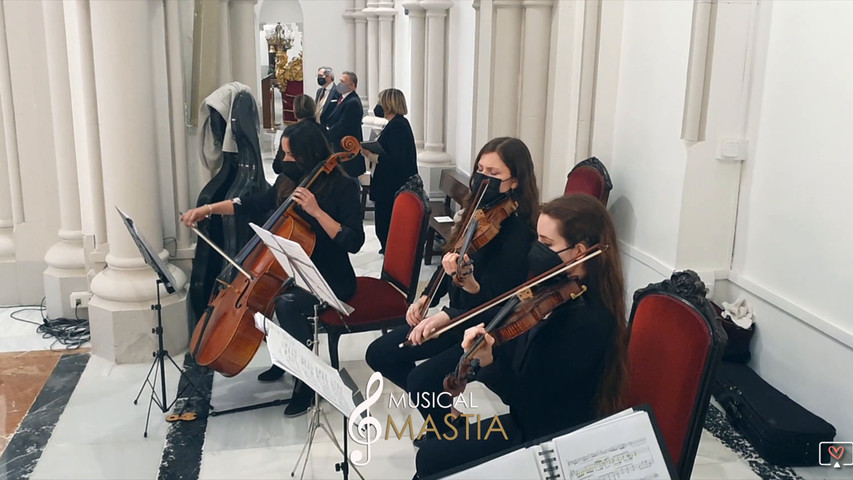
x=345 y=119
x=327 y=95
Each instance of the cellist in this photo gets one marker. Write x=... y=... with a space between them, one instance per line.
x=568 y=369
x=333 y=210
x=506 y=164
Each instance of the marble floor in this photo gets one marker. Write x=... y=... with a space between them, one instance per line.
x=69 y=415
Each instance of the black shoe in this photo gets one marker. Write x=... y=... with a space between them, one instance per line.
x=300 y=402
x=271 y=375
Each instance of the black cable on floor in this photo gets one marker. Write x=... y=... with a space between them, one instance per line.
x=71 y=333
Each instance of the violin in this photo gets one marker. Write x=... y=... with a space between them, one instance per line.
x=522 y=292
x=225 y=338
x=481 y=226
x=523 y=316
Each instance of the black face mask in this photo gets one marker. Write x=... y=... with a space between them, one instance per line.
x=541 y=258
x=379 y=111
x=493 y=189
x=321 y=81
x=291 y=170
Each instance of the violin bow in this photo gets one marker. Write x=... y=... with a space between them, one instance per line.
x=591 y=253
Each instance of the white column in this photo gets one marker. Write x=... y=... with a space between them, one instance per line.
x=417 y=108
x=243 y=31
x=65 y=271
x=505 y=65
x=372 y=73
x=178 y=121
x=7 y=238
x=434 y=146
x=534 y=83
x=360 y=44
x=81 y=70
x=481 y=128
x=120 y=311
x=13 y=168
x=386 y=15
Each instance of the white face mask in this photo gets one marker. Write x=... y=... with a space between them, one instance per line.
x=343 y=88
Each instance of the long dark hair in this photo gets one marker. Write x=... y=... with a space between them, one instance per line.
x=516 y=156
x=309 y=147
x=583 y=219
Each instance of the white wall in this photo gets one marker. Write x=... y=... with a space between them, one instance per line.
x=648 y=157
x=327 y=39
x=793 y=239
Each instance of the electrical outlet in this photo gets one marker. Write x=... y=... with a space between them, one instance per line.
x=80 y=299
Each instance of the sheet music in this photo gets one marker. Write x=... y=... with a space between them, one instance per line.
x=625 y=448
x=293 y=356
x=298 y=264
x=148 y=254
x=621 y=446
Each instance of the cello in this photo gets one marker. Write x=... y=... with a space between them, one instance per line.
x=225 y=339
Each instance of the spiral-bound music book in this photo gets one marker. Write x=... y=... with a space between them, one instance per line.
x=626 y=445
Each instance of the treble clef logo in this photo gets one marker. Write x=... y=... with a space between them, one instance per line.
x=368 y=429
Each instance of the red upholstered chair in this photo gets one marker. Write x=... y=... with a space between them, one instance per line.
x=382 y=302
x=676 y=345
x=290 y=92
x=590 y=177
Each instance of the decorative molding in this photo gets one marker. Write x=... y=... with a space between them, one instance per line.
x=839 y=333
x=646 y=259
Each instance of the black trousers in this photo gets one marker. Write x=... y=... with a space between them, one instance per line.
x=398 y=365
x=437 y=454
x=382 y=218
x=293 y=310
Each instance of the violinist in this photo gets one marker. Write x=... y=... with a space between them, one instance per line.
x=506 y=165
x=569 y=368
x=333 y=211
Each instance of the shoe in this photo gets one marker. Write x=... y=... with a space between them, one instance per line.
x=300 y=402
x=271 y=375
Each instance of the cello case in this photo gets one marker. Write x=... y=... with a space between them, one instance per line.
x=241 y=173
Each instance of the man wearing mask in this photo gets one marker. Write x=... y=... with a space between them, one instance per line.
x=345 y=119
x=327 y=95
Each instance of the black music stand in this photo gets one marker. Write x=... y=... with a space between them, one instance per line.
x=165 y=278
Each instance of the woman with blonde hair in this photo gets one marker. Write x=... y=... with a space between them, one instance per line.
x=396 y=164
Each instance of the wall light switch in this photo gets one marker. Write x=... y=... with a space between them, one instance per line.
x=731 y=149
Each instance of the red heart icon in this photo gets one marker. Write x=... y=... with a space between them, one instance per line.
x=836 y=452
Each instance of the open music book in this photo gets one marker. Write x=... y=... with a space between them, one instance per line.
x=626 y=445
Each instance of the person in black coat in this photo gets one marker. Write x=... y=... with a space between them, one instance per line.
x=506 y=166
x=345 y=120
x=332 y=209
x=568 y=369
x=397 y=164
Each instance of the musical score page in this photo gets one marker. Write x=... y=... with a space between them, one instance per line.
x=621 y=448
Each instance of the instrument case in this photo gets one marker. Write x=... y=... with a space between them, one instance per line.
x=781 y=431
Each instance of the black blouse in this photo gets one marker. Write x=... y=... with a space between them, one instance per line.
x=549 y=376
x=399 y=162
x=499 y=266
x=339 y=196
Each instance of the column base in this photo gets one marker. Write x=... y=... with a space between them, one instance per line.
x=59 y=284
x=121 y=331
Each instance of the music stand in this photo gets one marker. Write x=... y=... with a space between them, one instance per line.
x=298 y=264
x=165 y=278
